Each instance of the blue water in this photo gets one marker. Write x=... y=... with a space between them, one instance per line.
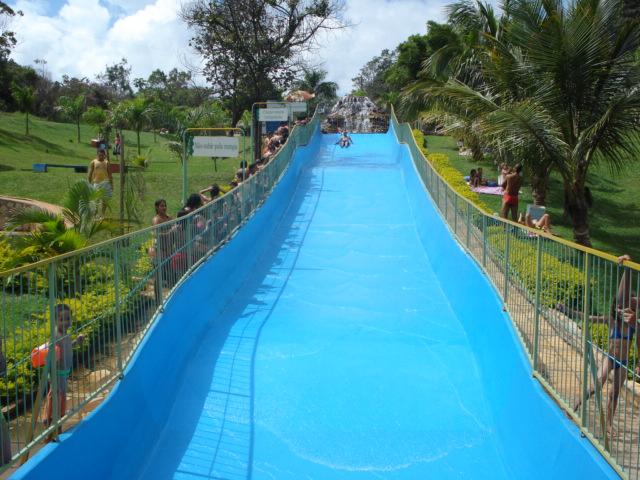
x=351 y=338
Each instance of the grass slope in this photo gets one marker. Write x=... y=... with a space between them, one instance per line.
x=614 y=220
x=51 y=142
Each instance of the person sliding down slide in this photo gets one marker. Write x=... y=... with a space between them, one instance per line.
x=345 y=140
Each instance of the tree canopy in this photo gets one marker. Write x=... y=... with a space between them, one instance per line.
x=252 y=49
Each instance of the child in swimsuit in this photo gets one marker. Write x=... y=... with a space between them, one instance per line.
x=64 y=357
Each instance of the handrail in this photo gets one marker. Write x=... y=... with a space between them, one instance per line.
x=114 y=291
x=571 y=306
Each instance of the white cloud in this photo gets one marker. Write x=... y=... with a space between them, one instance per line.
x=85 y=35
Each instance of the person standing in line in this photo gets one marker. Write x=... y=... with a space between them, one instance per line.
x=64 y=357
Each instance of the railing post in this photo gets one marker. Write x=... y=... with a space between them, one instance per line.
x=536 y=325
x=446 y=204
x=484 y=240
x=506 y=263
x=52 y=360
x=188 y=224
x=585 y=339
x=455 y=214
x=159 y=266
x=116 y=281
x=468 y=234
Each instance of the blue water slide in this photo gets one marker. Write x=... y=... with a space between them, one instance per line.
x=342 y=333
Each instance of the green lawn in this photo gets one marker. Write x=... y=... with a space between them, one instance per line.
x=614 y=219
x=51 y=142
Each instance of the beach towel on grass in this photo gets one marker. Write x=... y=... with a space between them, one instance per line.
x=488 y=190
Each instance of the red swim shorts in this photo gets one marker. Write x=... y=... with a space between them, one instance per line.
x=510 y=199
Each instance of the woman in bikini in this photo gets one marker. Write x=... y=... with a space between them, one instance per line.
x=622 y=322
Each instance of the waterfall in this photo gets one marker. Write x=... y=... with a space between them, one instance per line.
x=356 y=115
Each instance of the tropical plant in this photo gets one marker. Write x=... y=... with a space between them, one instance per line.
x=73 y=108
x=49 y=236
x=560 y=87
x=25 y=99
x=313 y=80
x=98 y=118
x=83 y=217
x=138 y=114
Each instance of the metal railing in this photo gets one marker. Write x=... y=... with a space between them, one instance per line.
x=71 y=324
x=573 y=307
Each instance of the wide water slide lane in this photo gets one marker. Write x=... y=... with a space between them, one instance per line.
x=329 y=339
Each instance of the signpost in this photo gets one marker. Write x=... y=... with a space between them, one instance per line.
x=273 y=114
x=220 y=146
x=295 y=107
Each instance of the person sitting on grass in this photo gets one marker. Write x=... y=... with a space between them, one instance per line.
x=473 y=178
x=622 y=320
x=543 y=223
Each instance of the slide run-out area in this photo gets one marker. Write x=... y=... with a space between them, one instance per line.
x=342 y=333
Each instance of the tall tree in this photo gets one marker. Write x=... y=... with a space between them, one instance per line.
x=138 y=113
x=73 y=108
x=117 y=78
x=7 y=37
x=24 y=97
x=251 y=46
x=575 y=100
x=371 y=77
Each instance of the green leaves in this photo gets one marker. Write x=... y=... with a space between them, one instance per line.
x=551 y=84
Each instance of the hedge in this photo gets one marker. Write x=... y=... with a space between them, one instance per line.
x=441 y=164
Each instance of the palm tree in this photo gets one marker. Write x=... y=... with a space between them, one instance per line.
x=313 y=81
x=138 y=113
x=97 y=117
x=25 y=98
x=73 y=108
x=49 y=236
x=470 y=21
x=82 y=217
x=572 y=95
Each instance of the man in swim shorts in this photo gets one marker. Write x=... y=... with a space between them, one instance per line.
x=99 y=172
x=511 y=185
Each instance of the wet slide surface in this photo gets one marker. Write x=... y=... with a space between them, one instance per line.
x=339 y=356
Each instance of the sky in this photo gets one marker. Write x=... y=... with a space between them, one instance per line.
x=81 y=37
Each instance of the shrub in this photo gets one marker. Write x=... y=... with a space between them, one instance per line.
x=440 y=163
x=6 y=255
x=560 y=281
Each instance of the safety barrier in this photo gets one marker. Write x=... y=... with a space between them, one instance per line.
x=573 y=307
x=72 y=323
